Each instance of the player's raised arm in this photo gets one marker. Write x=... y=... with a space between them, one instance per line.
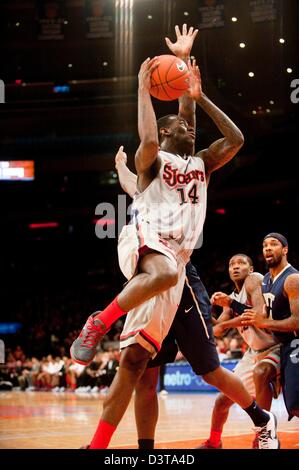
x=127 y=179
x=223 y=150
x=147 y=152
x=182 y=49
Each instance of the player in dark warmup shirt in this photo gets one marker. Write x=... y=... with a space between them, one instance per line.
x=280 y=289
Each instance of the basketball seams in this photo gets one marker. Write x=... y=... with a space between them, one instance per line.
x=161 y=84
x=169 y=87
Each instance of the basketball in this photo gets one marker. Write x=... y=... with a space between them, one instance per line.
x=170 y=79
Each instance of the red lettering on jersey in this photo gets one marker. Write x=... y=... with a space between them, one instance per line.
x=172 y=178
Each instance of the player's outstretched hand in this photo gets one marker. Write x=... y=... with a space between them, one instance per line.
x=184 y=41
x=120 y=157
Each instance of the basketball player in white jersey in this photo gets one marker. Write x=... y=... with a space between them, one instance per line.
x=154 y=249
x=259 y=369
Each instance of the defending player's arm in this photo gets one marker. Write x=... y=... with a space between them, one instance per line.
x=147 y=152
x=253 y=287
x=232 y=307
x=127 y=179
x=226 y=321
x=223 y=150
x=182 y=49
x=224 y=300
x=220 y=328
x=258 y=319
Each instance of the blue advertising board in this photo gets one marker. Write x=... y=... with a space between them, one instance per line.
x=179 y=377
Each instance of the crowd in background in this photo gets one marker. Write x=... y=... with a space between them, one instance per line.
x=58 y=373
x=52 y=315
x=61 y=373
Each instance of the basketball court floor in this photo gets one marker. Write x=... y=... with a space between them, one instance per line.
x=47 y=420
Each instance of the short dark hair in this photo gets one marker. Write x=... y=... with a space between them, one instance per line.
x=164 y=121
x=243 y=256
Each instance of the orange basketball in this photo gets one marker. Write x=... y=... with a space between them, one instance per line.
x=170 y=79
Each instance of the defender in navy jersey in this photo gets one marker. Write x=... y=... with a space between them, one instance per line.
x=280 y=289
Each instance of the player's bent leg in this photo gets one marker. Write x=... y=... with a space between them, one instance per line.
x=146 y=407
x=264 y=373
x=219 y=418
x=265 y=422
x=158 y=273
x=220 y=412
x=230 y=385
x=132 y=365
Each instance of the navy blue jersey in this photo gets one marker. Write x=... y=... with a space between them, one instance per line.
x=278 y=306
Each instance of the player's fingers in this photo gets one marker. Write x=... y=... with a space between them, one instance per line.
x=190 y=32
x=218 y=294
x=152 y=62
x=177 y=31
x=168 y=42
x=194 y=34
x=184 y=30
x=144 y=63
x=121 y=148
x=153 y=65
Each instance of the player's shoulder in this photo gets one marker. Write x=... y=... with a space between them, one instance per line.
x=252 y=282
x=292 y=281
x=165 y=155
x=254 y=277
x=201 y=154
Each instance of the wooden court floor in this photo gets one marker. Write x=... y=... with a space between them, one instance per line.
x=45 y=420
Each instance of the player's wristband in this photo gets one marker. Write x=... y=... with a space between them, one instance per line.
x=239 y=308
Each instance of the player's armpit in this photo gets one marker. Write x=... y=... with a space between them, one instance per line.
x=146 y=156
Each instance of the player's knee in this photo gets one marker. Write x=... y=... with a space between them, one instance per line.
x=222 y=402
x=262 y=373
x=166 y=279
x=213 y=378
x=135 y=358
x=146 y=386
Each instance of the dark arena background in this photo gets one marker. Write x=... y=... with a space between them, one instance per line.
x=69 y=100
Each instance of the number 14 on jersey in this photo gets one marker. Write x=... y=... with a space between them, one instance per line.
x=191 y=196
